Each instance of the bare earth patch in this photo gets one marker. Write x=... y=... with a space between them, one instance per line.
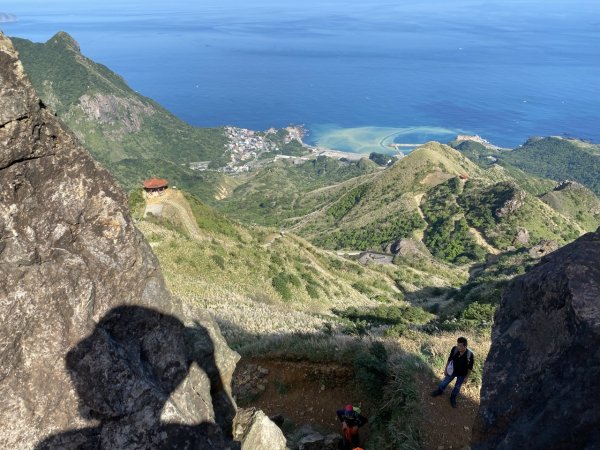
x=443 y=427
x=304 y=393
x=307 y=393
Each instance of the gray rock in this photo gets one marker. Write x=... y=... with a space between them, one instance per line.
x=410 y=247
x=540 y=380
x=511 y=205
x=256 y=431
x=542 y=249
x=316 y=441
x=522 y=237
x=313 y=441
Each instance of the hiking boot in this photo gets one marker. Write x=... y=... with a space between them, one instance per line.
x=437 y=392
x=453 y=402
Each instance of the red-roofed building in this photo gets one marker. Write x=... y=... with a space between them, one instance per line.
x=155 y=186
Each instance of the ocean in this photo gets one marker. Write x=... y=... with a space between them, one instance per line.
x=358 y=75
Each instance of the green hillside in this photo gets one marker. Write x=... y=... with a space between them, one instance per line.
x=285 y=280
x=576 y=202
x=459 y=209
x=559 y=159
x=488 y=158
x=283 y=189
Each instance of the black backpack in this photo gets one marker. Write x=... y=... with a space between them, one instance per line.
x=469 y=354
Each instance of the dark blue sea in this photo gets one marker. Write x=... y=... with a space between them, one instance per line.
x=357 y=74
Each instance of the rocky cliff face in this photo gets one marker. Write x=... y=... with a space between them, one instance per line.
x=94 y=352
x=108 y=108
x=541 y=378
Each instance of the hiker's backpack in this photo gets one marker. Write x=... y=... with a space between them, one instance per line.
x=469 y=353
x=450 y=368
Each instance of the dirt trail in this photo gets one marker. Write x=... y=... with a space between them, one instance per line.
x=303 y=393
x=185 y=216
x=481 y=241
x=175 y=204
x=310 y=393
x=443 y=427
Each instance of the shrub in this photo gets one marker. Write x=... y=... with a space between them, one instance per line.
x=371 y=369
x=219 y=261
x=395 y=424
x=387 y=315
x=293 y=280
x=336 y=264
x=356 y=328
x=478 y=312
x=312 y=291
x=136 y=202
x=280 y=283
x=362 y=288
x=396 y=330
x=382 y=298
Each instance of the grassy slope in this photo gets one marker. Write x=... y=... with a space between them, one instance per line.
x=236 y=268
x=492 y=159
x=576 y=202
x=231 y=270
x=281 y=190
x=559 y=159
x=402 y=201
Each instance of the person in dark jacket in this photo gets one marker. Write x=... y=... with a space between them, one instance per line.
x=459 y=366
x=351 y=420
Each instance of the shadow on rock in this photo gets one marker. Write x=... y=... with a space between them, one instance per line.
x=139 y=377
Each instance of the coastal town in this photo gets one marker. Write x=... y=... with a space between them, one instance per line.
x=247 y=148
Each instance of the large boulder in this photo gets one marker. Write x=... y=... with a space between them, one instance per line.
x=541 y=377
x=256 y=431
x=94 y=351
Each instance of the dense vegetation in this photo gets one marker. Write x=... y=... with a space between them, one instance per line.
x=375 y=235
x=559 y=159
x=347 y=202
x=447 y=235
x=278 y=191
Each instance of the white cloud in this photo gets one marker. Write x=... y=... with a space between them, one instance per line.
x=6 y=18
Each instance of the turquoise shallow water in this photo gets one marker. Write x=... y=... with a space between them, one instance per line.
x=352 y=72
x=378 y=139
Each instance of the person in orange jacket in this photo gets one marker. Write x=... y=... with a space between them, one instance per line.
x=351 y=420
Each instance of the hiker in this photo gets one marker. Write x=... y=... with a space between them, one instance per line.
x=459 y=366
x=351 y=420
